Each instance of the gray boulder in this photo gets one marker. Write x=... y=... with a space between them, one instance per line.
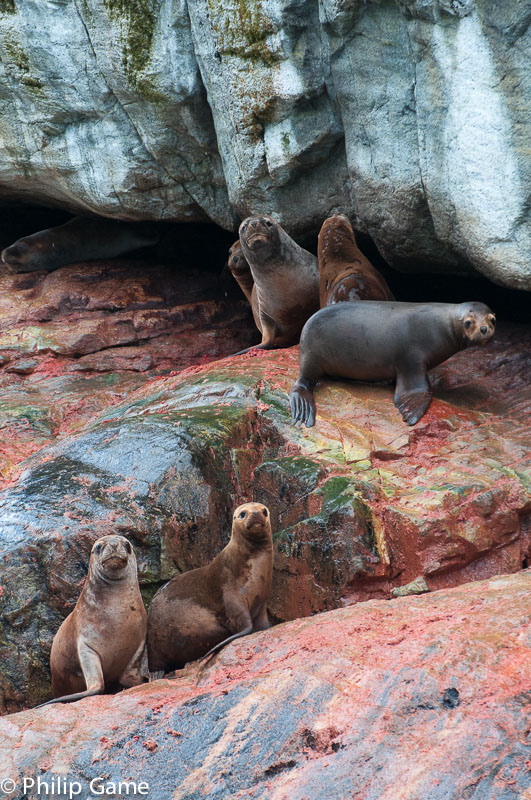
x=410 y=116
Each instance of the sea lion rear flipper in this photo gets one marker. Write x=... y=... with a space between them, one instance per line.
x=302 y=404
x=412 y=396
x=222 y=644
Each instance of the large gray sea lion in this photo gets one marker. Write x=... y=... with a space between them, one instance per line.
x=79 y=239
x=200 y=611
x=373 y=341
x=101 y=643
x=286 y=281
x=345 y=273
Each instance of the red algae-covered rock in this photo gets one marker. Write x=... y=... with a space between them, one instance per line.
x=81 y=338
x=360 y=503
x=419 y=697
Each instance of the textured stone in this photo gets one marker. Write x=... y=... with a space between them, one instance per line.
x=96 y=332
x=360 y=503
x=411 y=116
x=416 y=697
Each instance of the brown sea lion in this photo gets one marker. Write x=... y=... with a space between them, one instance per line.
x=199 y=612
x=100 y=644
x=345 y=273
x=286 y=281
x=373 y=341
x=241 y=270
x=79 y=239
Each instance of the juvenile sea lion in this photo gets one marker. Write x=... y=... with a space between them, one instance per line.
x=199 y=612
x=286 y=281
x=373 y=341
x=79 y=239
x=100 y=644
x=240 y=270
x=345 y=273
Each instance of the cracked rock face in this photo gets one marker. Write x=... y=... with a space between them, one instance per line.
x=410 y=116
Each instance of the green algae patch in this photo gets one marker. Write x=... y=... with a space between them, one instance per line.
x=137 y=21
x=20 y=60
x=242 y=30
x=8 y=7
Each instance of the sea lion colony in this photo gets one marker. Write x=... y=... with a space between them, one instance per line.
x=349 y=326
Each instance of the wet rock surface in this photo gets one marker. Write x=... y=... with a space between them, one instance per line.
x=79 y=339
x=415 y=697
x=360 y=503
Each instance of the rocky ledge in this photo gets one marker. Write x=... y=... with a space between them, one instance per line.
x=410 y=698
x=361 y=504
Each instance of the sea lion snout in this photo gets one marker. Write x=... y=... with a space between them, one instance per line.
x=112 y=553
x=253 y=516
x=255 y=231
x=479 y=323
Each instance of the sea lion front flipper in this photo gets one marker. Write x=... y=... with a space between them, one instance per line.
x=302 y=404
x=412 y=396
x=90 y=664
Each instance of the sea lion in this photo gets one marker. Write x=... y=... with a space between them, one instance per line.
x=345 y=273
x=373 y=341
x=286 y=281
x=199 y=612
x=79 y=239
x=100 y=644
x=241 y=272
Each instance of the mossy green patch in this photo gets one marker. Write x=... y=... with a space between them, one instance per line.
x=242 y=30
x=8 y=7
x=21 y=62
x=137 y=21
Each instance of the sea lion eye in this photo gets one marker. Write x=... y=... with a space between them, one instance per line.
x=128 y=547
x=268 y=223
x=98 y=548
x=264 y=512
x=468 y=323
x=492 y=319
x=241 y=514
x=235 y=259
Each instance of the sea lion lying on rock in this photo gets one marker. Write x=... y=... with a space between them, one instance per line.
x=286 y=281
x=373 y=341
x=80 y=239
x=200 y=611
x=345 y=273
x=101 y=643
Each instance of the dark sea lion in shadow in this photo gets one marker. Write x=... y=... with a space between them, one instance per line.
x=79 y=239
x=285 y=291
x=200 y=611
x=379 y=341
x=345 y=273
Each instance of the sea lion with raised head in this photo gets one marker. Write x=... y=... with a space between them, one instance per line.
x=373 y=341
x=79 y=239
x=200 y=611
x=345 y=274
x=286 y=281
x=101 y=643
